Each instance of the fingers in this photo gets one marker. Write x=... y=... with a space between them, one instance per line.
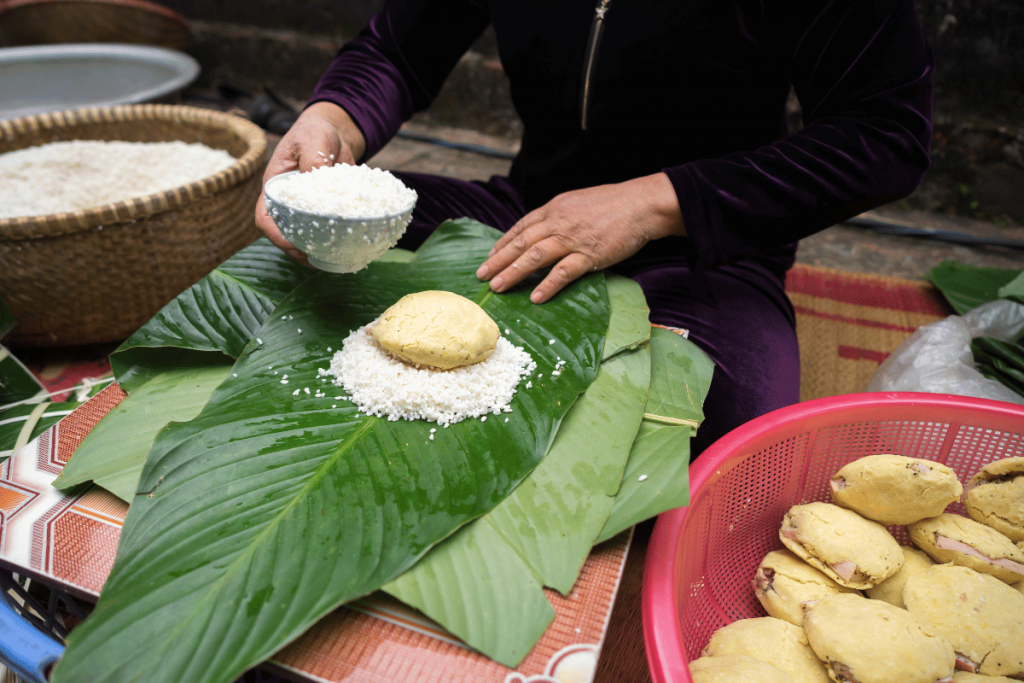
x=266 y=224
x=310 y=143
x=535 y=216
x=582 y=230
x=570 y=268
x=516 y=259
x=523 y=256
x=508 y=249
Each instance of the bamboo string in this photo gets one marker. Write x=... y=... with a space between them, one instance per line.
x=663 y=419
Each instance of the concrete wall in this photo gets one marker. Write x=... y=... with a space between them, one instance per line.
x=979 y=48
x=287 y=45
x=979 y=53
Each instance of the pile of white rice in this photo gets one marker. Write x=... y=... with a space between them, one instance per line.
x=382 y=385
x=84 y=174
x=344 y=190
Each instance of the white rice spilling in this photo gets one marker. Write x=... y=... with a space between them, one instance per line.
x=84 y=174
x=345 y=191
x=380 y=384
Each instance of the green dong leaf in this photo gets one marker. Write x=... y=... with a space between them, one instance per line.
x=220 y=314
x=269 y=510
x=113 y=454
x=17 y=383
x=967 y=287
x=1014 y=289
x=657 y=474
x=543 y=531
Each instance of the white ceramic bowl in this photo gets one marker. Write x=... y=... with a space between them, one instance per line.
x=338 y=244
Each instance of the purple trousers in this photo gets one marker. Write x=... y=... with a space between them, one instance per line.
x=738 y=314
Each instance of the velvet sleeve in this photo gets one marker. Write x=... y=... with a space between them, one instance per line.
x=397 y=64
x=862 y=72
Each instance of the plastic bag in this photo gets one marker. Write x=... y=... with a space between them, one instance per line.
x=937 y=358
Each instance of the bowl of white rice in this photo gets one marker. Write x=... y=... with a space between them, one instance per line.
x=342 y=216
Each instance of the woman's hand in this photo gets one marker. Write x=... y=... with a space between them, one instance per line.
x=581 y=231
x=323 y=135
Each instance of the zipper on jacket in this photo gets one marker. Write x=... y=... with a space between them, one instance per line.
x=588 y=62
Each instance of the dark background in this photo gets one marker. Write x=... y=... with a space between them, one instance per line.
x=979 y=46
x=977 y=152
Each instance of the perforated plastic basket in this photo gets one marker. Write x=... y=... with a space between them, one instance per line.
x=701 y=558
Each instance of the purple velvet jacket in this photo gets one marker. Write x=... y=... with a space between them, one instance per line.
x=696 y=88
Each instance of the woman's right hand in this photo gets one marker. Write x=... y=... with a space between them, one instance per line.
x=323 y=135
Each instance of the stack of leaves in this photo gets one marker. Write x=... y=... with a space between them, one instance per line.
x=967 y=287
x=26 y=410
x=1001 y=361
x=256 y=509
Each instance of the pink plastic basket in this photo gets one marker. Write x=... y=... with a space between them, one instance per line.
x=701 y=558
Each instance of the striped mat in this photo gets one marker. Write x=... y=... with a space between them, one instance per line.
x=847 y=323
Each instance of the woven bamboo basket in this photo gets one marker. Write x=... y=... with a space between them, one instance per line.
x=44 y=22
x=95 y=276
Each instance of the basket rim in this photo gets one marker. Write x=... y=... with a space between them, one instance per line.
x=145 y=5
x=136 y=208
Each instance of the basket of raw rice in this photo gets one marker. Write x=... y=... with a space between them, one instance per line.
x=106 y=214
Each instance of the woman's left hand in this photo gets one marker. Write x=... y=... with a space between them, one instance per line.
x=581 y=231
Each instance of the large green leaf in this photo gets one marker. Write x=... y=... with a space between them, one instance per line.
x=17 y=383
x=657 y=474
x=1001 y=361
x=1014 y=289
x=113 y=453
x=545 y=528
x=967 y=287
x=630 y=324
x=552 y=519
x=220 y=314
x=270 y=509
x=477 y=587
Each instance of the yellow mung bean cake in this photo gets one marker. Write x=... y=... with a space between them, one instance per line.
x=853 y=551
x=995 y=497
x=385 y=384
x=895 y=489
x=437 y=328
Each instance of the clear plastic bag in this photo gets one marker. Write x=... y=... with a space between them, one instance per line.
x=937 y=358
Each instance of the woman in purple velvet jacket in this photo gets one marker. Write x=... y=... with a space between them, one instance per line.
x=655 y=145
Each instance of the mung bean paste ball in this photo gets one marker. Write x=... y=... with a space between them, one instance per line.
x=995 y=497
x=438 y=329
